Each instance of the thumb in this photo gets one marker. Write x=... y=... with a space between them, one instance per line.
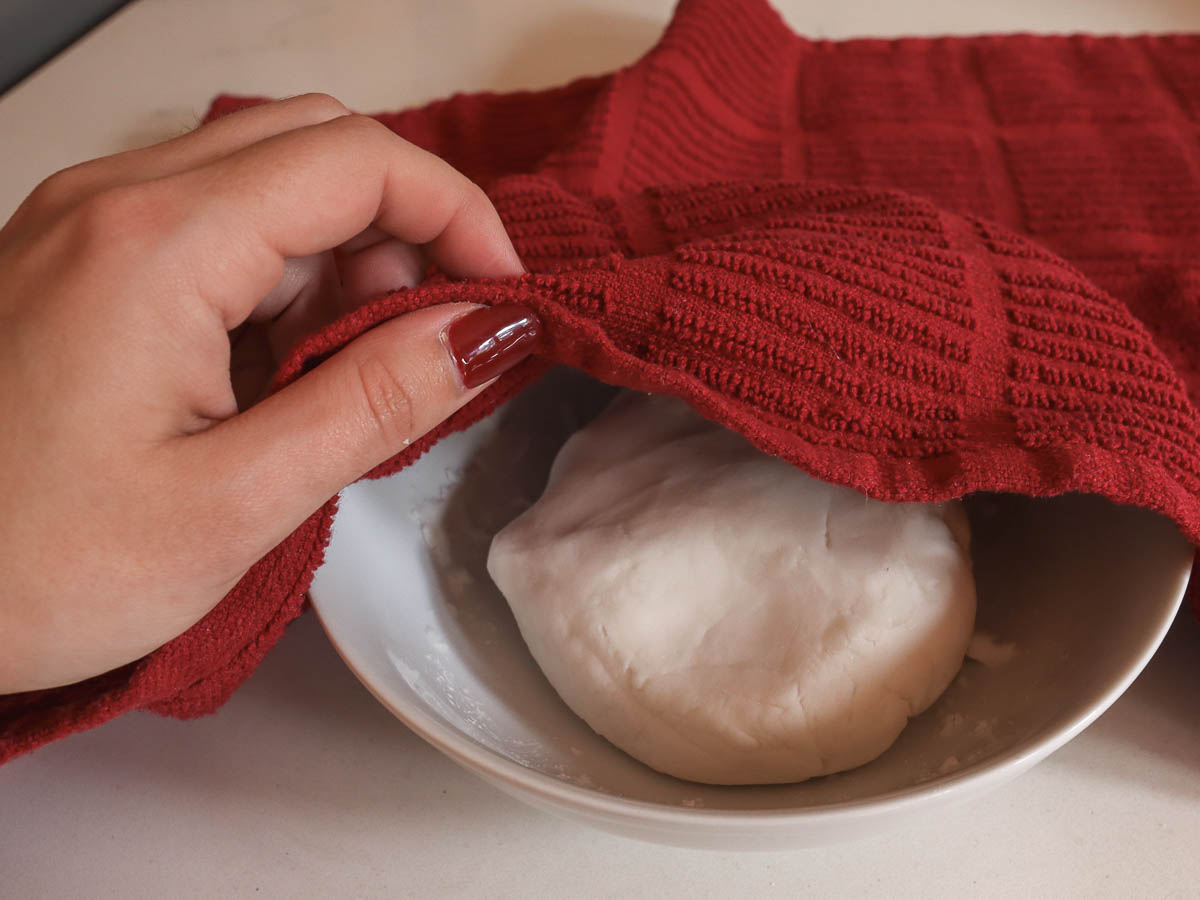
x=290 y=453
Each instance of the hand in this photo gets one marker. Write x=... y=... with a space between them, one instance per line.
x=135 y=492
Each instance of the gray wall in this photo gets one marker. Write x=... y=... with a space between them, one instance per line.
x=32 y=31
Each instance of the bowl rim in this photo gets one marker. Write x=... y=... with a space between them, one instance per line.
x=977 y=777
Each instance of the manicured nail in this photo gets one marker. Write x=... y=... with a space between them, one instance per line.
x=489 y=341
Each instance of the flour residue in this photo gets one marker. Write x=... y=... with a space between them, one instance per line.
x=463 y=506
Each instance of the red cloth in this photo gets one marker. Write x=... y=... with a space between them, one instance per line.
x=718 y=221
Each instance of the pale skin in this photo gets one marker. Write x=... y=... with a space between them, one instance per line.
x=137 y=492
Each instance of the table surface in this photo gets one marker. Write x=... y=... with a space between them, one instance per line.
x=302 y=785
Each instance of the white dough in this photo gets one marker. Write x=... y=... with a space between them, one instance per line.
x=720 y=615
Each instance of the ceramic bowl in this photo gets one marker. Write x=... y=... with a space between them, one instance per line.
x=1075 y=594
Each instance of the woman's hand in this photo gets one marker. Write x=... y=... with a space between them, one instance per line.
x=135 y=494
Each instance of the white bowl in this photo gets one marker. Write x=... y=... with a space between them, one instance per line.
x=1082 y=589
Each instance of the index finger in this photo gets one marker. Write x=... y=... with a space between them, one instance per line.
x=313 y=188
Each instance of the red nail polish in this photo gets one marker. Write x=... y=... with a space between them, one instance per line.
x=489 y=341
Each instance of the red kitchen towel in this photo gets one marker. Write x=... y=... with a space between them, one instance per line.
x=917 y=267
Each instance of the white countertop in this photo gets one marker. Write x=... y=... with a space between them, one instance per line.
x=303 y=786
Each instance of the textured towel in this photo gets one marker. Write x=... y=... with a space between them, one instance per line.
x=723 y=220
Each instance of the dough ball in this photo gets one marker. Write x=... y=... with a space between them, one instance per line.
x=720 y=615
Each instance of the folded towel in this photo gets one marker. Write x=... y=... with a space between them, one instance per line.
x=920 y=268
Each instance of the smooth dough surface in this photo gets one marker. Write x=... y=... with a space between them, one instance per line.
x=720 y=615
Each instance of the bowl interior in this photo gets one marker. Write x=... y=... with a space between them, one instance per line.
x=1076 y=590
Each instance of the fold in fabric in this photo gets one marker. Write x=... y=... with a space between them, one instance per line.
x=920 y=268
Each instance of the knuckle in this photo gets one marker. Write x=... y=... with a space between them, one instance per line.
x=359 y=127
x=474 y=196
x=113 y=208
x=321 y=105
x=119 y=215
x=388 y=400
x=56 y=191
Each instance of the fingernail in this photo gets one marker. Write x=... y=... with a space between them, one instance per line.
x=489 y=341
